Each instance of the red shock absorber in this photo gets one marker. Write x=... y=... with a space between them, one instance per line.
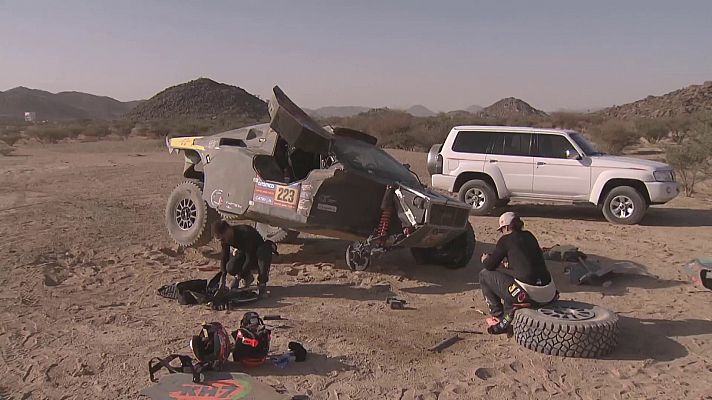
x=384 y=222
x=386 y=209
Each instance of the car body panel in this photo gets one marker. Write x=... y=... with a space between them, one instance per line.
x=243 y=178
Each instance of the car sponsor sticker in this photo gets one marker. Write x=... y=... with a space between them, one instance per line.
x=327 y=207
x=277 y=195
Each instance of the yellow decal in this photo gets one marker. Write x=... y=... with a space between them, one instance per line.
x=185 y=143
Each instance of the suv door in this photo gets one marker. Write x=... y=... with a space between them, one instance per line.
x=510 y=152
x=555 y=175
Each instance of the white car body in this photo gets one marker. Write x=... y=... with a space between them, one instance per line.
x=540 y=171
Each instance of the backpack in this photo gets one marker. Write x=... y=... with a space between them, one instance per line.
x=252 y=340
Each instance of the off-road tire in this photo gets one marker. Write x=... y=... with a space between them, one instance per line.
x=191 y=234
x=479 y=195
x=452 y=255
x=587 y=338
x=632 y=195
x=276 y=234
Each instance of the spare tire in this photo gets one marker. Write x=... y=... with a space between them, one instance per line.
x=188 y=217
x=276 y=234
x=432 y=163
x=567 y=329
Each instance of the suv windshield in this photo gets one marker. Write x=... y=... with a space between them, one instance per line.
x=585 y=145
x=372 y=160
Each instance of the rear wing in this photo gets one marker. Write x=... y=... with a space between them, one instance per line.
x=183 y=143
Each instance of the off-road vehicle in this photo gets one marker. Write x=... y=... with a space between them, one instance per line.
x=295 y=175
x=489 y=165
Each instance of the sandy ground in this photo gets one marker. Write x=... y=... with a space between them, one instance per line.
x=81 y=259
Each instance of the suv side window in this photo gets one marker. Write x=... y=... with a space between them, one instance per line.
x=472 y=142
x=511 y=144
x=552 y=146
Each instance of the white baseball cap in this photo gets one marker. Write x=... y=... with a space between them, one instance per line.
x=506 y=219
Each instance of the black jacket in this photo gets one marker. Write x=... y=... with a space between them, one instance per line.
x=525 y=257
x=246 y=240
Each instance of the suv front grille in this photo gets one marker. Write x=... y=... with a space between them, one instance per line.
x=443 y=215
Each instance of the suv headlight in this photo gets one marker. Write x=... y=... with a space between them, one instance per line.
x=663 y=176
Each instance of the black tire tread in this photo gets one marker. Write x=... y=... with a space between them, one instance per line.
x=582 y=339
x=205 y=235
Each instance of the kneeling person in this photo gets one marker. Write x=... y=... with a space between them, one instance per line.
x=515 y=273
x=250 y=252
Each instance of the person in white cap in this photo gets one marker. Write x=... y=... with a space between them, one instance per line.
x=515 y=273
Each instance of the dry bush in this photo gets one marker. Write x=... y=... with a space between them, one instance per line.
x=653 y=130
x=49 y=133
x=613 y=136
x=692 y=159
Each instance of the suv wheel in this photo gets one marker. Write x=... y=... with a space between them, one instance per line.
x=624 y=205
x=479 y=195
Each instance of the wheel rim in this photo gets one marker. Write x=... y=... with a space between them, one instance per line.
x=356 y=259
x=186 y=214
x=567 y=313
x=476 y=198
x=622 y=206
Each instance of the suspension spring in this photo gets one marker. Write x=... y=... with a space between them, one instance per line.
x=384 y=222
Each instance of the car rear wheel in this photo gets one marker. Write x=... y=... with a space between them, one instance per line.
x=624 y=205
x=479 y=195
x=276 y=234
x=188 y=217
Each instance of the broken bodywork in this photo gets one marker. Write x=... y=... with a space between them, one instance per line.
x=297 y=175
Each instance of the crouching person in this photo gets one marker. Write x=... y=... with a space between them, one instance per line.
x=514 y=275
x=244 y=250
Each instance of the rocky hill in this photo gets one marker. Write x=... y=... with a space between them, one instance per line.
x=511 y=107
x=694 y=98
x=201 y=99
x=60 y=106
x=420 y=111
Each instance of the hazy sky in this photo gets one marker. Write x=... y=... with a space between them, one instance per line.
x=443 y=54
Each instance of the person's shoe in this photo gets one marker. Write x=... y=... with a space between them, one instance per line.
x=503 y=326
x=261 y=291
x=247 y=280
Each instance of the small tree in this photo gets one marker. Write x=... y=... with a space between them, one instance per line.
x=613 y=136
x=692 y=159
x=679 y=127
x=652 y=129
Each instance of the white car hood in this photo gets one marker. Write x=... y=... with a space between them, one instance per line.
x=608 y=161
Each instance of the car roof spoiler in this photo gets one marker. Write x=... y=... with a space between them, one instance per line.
x=295 y=126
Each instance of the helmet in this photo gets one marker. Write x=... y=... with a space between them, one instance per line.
x=251 y=341
x=212 y=345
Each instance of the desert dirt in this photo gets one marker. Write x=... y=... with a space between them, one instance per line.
x=84 y=250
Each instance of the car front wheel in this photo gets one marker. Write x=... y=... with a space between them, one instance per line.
x=624 y=205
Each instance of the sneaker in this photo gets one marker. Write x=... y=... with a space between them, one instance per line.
x=503 y=326
x=247 y=280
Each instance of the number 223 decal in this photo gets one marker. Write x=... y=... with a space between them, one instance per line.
x=276 y=195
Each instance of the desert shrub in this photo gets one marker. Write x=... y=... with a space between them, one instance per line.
x=613 y=136
x=680 y=126
x=96 y=129
x=692 y=159
x=122 y=127
x=49 y=133
x=653 y=130
x=10 y=134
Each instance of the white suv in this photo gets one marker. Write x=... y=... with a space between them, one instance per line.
x=489 y=165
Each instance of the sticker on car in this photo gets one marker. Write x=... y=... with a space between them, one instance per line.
x=277 y=195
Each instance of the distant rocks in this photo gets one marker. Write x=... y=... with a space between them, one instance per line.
x=688 y=100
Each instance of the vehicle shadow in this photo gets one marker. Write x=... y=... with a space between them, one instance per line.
x=643 y=339
x=436 y=279
x=655 y=216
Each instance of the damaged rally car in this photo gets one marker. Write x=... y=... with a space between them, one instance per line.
x=293 y=175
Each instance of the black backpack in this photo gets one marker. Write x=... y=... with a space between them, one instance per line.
x=251 y=340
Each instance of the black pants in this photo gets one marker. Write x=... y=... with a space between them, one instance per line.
x=262 y=259
x=501 y=292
